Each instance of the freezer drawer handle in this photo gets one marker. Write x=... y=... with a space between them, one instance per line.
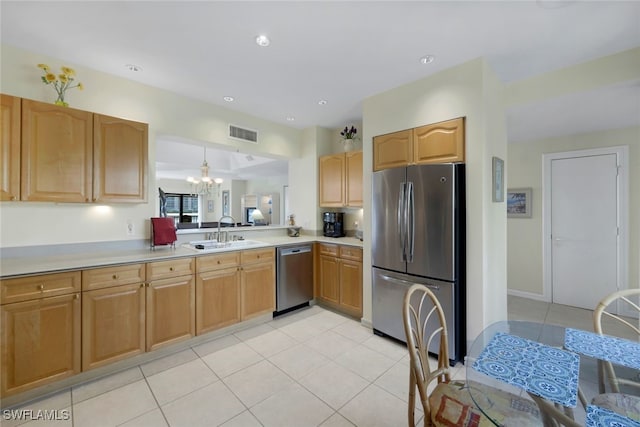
x=407 y=283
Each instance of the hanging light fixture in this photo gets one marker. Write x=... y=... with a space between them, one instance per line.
x=204 y=183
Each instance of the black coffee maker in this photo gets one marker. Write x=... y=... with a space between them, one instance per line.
x=333 y=224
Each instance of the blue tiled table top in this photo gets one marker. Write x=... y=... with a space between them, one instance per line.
x=601 y=417
x=545 y=371
x=616 y=350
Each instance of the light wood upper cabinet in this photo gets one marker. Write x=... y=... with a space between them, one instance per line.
x=10 y=148
x=120 y=160
x=57 y=153
x=332 y=175
x=353 y=164
x=341 y=179
x=393 y=150
x=439 y=142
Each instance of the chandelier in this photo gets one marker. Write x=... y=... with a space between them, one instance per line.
x=204 y=184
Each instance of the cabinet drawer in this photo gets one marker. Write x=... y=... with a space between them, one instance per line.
x=112 y=276
x=257 y=255
x=33 y=287
x=350 y=252
x=170 y=268
x=218 y=261
x=326 y=249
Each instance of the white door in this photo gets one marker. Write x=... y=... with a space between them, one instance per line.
x=584 y=229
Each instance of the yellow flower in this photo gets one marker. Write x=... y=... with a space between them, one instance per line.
x=68 y=71
x=80 y=86
x=45 y=67
x=63 y=78
x=50 y=77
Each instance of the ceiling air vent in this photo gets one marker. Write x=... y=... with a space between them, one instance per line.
x=243 y=134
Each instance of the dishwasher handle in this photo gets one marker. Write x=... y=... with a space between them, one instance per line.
x=294 y=251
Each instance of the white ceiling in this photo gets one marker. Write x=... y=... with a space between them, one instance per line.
x=338 y=51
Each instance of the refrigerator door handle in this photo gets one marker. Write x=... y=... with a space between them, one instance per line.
x=407 y=283
x=411 y=221
x=401 y=219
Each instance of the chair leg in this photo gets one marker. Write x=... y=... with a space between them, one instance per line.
x=412 y=398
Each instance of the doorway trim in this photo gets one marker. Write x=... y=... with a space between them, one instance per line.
x=622 y=154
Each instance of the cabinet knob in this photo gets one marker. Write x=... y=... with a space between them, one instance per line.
x=258 y=256
x=170 y=268
x=218 y=261
x=115 y=276
x=76 y=296
x=41 y=287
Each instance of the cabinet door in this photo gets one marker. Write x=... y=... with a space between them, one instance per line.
x=439 y=142
x=10 y=148
x=113 y=324
x=49 y=351
x=217 y=299
x=353 y=160
x=332 y=177
x=351 y=287
x=258 y=289
x=120 y=160
x=57 y=153
x=170 y=311
x=393 y=150
x=329 y=287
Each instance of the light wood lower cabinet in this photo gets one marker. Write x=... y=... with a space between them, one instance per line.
x=217 y=291
x=170 y=311
x=340 y=278
x=40 y=342
x=257 y=282
x=113 y=324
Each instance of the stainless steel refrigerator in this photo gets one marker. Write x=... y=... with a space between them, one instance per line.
x=418 y=232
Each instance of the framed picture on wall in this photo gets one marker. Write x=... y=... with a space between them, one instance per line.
x=497 y=173
x=225 y=202
x=519 y=203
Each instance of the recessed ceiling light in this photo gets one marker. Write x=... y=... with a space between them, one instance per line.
x=133 y=67
x=290 y=118
x=322 y=102
x=427 y=59
x=228 y=98
x=263 y=40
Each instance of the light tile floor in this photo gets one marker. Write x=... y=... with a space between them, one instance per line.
x=309 y=368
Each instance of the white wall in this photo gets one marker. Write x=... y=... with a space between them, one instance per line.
x=472 y=91
x=166 y=113
x=525 y=274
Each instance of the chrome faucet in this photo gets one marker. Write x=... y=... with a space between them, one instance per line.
x=226 y=238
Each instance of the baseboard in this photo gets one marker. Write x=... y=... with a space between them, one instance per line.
x=528 y=295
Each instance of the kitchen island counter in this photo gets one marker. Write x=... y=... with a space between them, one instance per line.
x=26 y=261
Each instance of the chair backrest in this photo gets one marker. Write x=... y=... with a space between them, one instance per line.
x=607 y=321
x=420 y=309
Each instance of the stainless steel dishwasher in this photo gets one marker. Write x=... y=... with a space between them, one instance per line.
x=294 y=277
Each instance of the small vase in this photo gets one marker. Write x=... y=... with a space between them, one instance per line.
x=347 y=144
x=60 y=101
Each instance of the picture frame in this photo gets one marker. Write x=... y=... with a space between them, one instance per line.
x=210 y=206
x=225 y=202
x=519 y=202
x=497 y=174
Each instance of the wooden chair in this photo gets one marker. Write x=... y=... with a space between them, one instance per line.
x=617 y=393
x=450 y=402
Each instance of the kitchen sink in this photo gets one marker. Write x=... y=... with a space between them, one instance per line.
x=206 y=246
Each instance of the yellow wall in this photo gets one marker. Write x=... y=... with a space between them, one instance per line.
x=470 y=90
x=38 y=223
x=524 y=266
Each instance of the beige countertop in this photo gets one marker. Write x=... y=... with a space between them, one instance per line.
x=25 y=265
